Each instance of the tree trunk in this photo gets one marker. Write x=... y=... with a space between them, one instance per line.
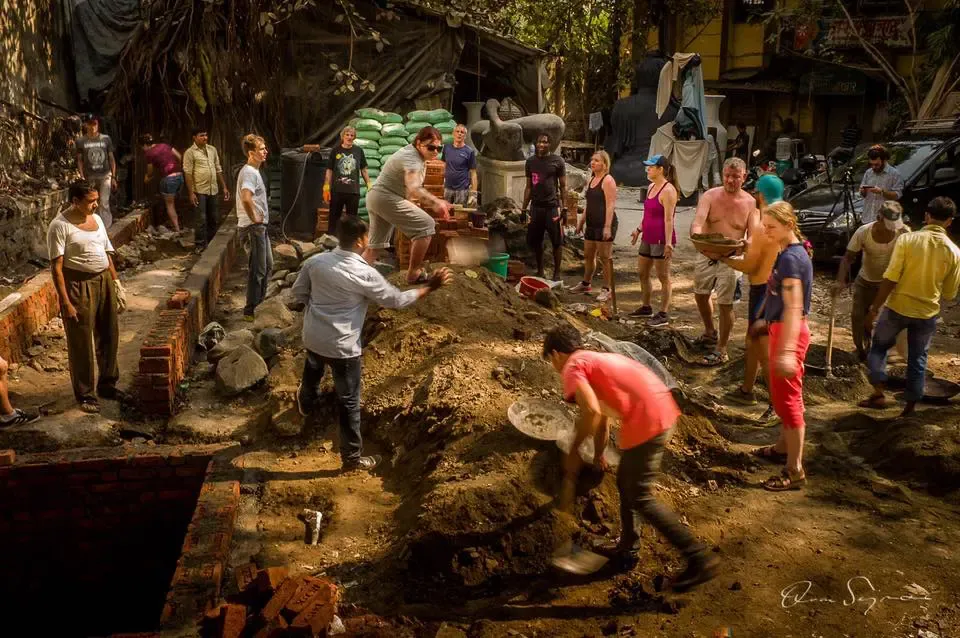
x=639 y=34
x=618 y=20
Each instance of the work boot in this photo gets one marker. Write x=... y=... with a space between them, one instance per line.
x=701 y=567
x=362 y=463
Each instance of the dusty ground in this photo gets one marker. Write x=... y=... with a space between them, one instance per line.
x=455 y=531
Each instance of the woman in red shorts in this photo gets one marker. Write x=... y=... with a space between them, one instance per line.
x=786 y=310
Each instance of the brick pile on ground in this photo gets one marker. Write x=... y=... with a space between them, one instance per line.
x=274 y=604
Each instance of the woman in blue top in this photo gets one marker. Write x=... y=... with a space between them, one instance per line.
x=785 y=316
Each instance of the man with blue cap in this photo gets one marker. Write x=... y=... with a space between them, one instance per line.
x=757 y=263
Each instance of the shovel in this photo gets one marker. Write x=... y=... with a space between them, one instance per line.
x=613 y=285
x=827 y=369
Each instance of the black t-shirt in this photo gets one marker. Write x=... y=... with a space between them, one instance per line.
x=544 y=174
x=346 y=164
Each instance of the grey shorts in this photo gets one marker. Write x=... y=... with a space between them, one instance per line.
x=387 y=211
x=651 y=251
x=456 y=196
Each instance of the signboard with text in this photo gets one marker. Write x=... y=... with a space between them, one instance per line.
x=888 y=32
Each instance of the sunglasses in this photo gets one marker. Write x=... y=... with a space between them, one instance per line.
x=433 y=148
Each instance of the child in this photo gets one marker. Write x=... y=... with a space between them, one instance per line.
x=612 y=386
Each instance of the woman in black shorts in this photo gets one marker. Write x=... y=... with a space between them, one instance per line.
x=600 y=222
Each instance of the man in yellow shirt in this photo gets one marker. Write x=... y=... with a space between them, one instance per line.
x=924 y=268
x=202 y=170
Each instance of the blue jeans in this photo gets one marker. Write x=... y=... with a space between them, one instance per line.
x=919 y=334
x=260 y=264
x=346 y=383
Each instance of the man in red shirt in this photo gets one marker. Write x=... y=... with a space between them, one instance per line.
x=609 y=386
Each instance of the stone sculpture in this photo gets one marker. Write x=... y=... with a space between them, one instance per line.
x=506 y=140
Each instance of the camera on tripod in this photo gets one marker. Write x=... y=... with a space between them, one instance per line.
x=847 y=177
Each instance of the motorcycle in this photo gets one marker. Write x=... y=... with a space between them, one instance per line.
x=797 y=180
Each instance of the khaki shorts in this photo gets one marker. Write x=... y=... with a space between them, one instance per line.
x=387 y=211
x=710 y=276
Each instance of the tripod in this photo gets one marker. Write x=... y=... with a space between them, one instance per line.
x=845 y=195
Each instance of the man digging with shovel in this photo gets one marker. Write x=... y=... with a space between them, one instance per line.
x=607 y=386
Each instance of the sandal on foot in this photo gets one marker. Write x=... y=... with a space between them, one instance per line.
x=714 y=359
x=769 y=453
x=741 y=397
x=706 y=340
x=785 y=482
x=874 y=403
x=90 y=407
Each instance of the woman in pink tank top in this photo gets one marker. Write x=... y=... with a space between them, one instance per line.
x=658 y=216
x=165 y=160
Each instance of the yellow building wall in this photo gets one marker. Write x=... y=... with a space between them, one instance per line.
x=707 y=44
x=746 y=46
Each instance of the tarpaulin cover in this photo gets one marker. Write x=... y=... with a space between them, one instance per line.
x=423 y=54
x=99 y=30
x=634 y=122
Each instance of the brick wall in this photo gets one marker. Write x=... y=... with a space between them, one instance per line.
x=105 y=537
x=23 y=232
x=39 y=304
x=166 y=352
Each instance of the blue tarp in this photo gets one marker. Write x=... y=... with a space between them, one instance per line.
x=99 y=31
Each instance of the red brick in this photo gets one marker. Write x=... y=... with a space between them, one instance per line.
x=270 y=579
x=187 y=471
x=155 y=365
x=7 y=457
x=319 y=612
x=279 y=600
x=156 y=350
x=148 y=460
x=309 y=587
x=245 y=575
x=233 y=619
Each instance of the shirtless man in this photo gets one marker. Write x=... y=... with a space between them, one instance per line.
x=726 y=210
x=757 y=264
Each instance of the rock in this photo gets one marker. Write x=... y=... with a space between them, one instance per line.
x=286 y=296
x=285 y=418
x=329 y=242
x=285 y=257
x=215 y=426
x=35 y=351
x=384 y=269
x=272 y=313
x=520 y=334
x=449 y=631
x=291 y=278
x=273 y=289
x=230 y=342
x=285 y=375
x=736 y=586
x=304 y=246
x=240 y=370
x=547 y=299
x=317 y=250
x=60 y=432
x=279 y=275
x=886 y=488
x=531 y=315
x=269 y=342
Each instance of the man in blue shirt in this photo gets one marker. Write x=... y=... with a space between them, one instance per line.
x=460 y=178
x=336 y=288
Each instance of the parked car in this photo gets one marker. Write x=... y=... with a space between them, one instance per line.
x=930 y=164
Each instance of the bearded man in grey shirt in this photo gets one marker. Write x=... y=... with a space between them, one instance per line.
x=336 y=288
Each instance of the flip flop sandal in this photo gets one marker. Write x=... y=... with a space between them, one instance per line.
x=769 y=453
x=873 y=403
x=785 y=482
x=714 y=359
x=90 y=407
x=705 y=340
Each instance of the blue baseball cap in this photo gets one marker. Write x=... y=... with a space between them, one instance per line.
x=771 y=187
x=656 y=160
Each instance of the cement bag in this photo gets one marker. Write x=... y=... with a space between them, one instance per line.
x=367 y=145
x=411 y=137
x=373 y=162
x=373 y=172
x=415 y=126
x=394 y=128
x=392 y=118
x=366 y=124
x=395 y=140
x=389 y=150
x=418 y=116
x=372 y=114
x=446 y=127
x=369 y=135
x=439 y=115
x=447 y=139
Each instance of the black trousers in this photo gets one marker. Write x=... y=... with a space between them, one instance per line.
x=346 y=383
x=341 y=203
x=207 y=219
x=636 y=476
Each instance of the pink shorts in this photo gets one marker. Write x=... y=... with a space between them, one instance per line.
x=786 y=395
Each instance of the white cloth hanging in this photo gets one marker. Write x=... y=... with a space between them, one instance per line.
x=668 y=75
x=689 y=158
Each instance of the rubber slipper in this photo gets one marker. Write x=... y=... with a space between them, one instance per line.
x=90 y=407
x=706 y=340
x=785 y=482
x=714 y=359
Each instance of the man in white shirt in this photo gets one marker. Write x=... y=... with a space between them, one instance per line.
x=336 y=288
x=875 y=240
x=881 y=182
x=253 y=214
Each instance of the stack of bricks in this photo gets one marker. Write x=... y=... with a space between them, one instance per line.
x=433 y=179
x=165 y=356
x=323 y=220
x=272 y=604
x=515 y=270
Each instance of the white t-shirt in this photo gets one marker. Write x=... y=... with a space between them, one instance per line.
x=876 y=256
x=83 y=250
x=251 y=180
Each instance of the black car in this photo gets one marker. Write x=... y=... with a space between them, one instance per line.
x=930 y=165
